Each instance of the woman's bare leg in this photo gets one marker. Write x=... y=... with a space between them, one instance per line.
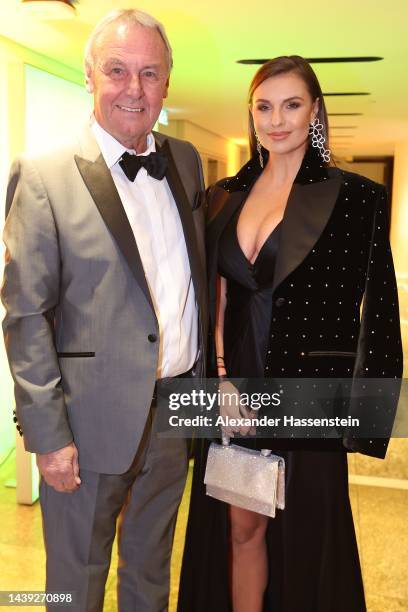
x=249 y=567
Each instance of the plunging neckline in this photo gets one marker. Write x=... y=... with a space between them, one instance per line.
x=249 y=262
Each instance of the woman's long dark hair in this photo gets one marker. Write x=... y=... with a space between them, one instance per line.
x=283 y=65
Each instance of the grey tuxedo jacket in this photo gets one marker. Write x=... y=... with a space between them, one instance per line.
x=80 y=328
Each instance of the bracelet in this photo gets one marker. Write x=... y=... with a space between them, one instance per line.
x=220 y=357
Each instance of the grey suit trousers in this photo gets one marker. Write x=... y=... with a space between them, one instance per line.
x=79 y=528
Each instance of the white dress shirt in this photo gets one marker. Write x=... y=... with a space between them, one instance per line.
x=156 y=225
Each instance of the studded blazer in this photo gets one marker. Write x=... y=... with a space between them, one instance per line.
x=334 y=257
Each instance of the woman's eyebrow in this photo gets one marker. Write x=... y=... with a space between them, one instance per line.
x=285 y=100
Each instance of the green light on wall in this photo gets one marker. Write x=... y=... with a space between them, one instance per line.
x=164 y=117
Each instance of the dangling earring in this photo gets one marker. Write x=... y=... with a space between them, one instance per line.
x=259 y=149
x=316 y=131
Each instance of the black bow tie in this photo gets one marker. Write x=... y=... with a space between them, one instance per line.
x=155 y=164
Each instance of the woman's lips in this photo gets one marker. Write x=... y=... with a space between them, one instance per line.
x=279 y=135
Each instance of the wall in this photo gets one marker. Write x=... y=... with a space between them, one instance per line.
x=399 y=229
x=211 y=146
x=6 y=395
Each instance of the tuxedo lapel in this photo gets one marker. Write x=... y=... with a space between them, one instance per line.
x=230 y=203
x=307 y=212
x=98 y=179
x=185 y=211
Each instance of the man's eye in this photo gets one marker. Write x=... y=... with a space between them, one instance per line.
x=149 y=74
x=117 y=72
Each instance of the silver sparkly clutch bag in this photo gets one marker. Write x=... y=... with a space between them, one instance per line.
x=250 y=479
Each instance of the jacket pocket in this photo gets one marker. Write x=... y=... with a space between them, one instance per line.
x=329 y=354
x=69 y=355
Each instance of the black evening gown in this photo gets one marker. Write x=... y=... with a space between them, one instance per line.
x=312 y=550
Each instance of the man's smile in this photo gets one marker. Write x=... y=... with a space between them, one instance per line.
x=129 y=109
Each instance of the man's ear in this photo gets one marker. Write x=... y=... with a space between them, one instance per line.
x=166 y=88
x=89 y=86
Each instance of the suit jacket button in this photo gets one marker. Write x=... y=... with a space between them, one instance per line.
x=152 y=338
x=280 y=302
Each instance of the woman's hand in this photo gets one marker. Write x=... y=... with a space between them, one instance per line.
x=231 y=408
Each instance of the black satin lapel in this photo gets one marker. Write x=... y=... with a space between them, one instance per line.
x=307 y=212
x=186 y=216
x=214 y=231
x=100 y=184
x=217 y=224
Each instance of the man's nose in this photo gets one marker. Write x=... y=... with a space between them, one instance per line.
x=134 y=86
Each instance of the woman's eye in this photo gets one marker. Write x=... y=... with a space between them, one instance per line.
x=262 y=107
x=293 y=105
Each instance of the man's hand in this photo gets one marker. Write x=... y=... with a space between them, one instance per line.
x=231 y=408
x=60 y=469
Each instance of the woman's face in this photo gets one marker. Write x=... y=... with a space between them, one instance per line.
x=282 y=110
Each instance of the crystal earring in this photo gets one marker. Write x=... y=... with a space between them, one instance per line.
x=259 y=149
x=316 y=131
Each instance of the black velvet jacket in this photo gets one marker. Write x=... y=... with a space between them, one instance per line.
x=334 y=251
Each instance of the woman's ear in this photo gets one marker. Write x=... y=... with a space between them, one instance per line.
x=251 y=116
x=315 y=109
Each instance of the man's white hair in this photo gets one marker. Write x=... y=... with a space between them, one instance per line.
x=130 y=17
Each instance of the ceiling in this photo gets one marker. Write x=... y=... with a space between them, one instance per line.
x=209 y=88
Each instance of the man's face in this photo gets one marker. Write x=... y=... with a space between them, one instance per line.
x=129 y=80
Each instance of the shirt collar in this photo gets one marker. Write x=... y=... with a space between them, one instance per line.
x=111 y=149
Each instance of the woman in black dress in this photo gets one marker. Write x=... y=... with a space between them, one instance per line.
x=294 y=246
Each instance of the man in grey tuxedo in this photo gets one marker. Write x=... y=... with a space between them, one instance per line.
x=105 y=294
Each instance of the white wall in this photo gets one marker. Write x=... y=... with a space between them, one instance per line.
x=55 y=110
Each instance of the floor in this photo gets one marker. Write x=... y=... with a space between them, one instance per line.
x=380 y=514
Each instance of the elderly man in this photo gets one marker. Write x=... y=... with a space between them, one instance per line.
x=105 y=294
